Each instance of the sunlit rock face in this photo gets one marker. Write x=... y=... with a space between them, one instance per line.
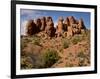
x=43 y=23
x=69 y=26
x=50 y=30
x=60 y=27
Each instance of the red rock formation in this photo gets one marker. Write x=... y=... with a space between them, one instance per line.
x=81 y=24
x=70 y=32
x=50 y=30
x=70 y=27
x=75 y=29
x=43 y=23
x=38 y=25
x=30 y=28
x=60 y=27
x=71 y=20
x=75 y=26
x=66 y=22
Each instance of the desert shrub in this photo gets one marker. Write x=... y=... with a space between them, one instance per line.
x=81 y=62
x=69 y=65
x=86 y=35
x=65 y=43
x=50 y=57
x=36 y=40
x=76 y=39
x=82 y=57
x=32 y=61
x=26 y=63
x=81 y=54
x=44 y=59
x=24 y=42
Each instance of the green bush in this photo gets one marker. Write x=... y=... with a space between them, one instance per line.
x=82 y=57
x=69 y=65
x=76 y=39
x=24 y=42
x=81 y=54
x=65 y=43
x=36 y=41
x=26 y=63
x=81 y=62
x=50 y=57
x=43 y=60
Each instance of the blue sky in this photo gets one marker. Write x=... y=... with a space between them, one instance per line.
x=27 y=14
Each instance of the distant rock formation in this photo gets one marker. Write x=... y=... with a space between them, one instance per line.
x=38 y=25
x=50 y=30
x=81 y=25
x=66 y=22
x=43 y=23
x=70 y=26
x=30 y=28
x=60 y=27
x=74 y=26
x=71 y=20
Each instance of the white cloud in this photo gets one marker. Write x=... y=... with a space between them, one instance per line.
x=23 y=27
x=29 y=11
x=31 y=14
x=55 y=24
